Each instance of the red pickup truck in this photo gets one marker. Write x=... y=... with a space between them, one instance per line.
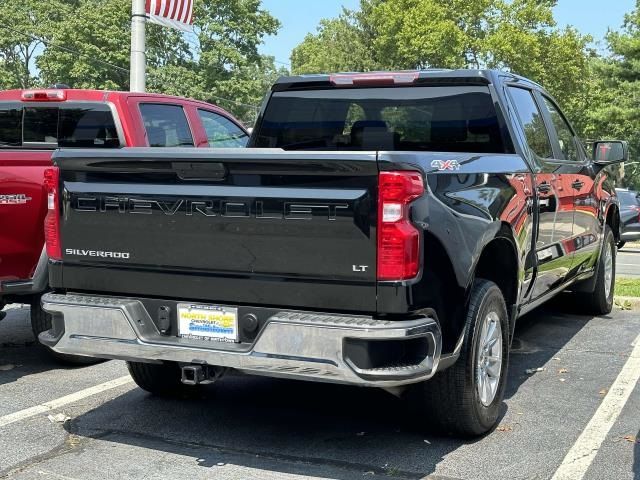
x=33 y=123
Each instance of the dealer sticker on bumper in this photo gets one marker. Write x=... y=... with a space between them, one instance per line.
x=208 y=322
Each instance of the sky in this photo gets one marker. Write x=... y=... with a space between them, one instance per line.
x=299 y=17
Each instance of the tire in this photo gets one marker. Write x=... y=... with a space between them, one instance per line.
x=451 y=400
x=41 y=322
x=621 y=244
x=164 y=379
x=600 y=302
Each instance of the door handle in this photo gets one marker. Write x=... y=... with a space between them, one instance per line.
x=544 y=187
x=213 y=171
x=577 y=185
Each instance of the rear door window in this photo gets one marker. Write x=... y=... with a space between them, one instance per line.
x=47 y=126
x=532 y=122
x=430 y=118
x=166 y=125
x=222 y=132
x=566 y=138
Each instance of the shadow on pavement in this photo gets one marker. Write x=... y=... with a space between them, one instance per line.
x=20 y=354
x=540 y=335
x=281 y=425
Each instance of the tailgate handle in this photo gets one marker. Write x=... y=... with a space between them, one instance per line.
x=200 y=170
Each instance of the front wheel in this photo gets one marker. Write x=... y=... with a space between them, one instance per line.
x=466 y=398
x=41 y=322
x=600 y=302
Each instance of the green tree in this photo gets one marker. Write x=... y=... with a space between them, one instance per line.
x=219 y=59
x=90 y=48
x=615 y=108
x=341 y=44
x=25 y=26
x=518 y=35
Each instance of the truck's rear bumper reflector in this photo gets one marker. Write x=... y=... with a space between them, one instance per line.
x=303 y=345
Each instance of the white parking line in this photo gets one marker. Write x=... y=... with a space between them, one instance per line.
x=576 y=463
x=62 y=401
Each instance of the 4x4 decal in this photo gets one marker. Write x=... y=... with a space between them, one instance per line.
x=445 y=165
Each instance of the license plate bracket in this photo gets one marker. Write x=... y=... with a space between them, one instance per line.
x=213 y=323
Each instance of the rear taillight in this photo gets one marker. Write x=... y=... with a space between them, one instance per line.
x=52 y=219
x=398 y=239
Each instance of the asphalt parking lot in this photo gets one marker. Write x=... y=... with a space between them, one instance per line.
x=628 y=261
x=258 y=428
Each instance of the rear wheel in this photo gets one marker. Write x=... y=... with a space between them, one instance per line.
x=41 y=322
x=466 y=398
x=163 y=379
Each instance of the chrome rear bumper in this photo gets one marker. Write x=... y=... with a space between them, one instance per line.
x=300 y=345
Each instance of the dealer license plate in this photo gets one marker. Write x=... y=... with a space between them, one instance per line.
x=208 y=322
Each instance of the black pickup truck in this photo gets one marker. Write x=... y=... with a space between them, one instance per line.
x=384 y=230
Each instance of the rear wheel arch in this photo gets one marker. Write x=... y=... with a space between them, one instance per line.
x=498 y=263
x=448 y=294
x=443 y=291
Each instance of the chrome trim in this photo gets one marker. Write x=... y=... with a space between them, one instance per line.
x=300 y=345
x=609 y=278
x=489 y=358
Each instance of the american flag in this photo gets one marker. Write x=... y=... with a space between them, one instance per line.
x=171 y=13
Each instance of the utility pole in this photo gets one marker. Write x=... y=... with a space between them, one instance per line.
x=138 y=65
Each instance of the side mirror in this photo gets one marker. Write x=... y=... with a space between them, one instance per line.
x=614 y=151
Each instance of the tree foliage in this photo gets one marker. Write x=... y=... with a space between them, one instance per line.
x=24 y=26
x=519 y=36
x=86 y=43
x=615 y=92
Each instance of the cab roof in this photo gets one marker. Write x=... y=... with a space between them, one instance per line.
x=399 y=78
x=72 y=94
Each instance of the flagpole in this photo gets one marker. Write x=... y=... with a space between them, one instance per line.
x=138 y=41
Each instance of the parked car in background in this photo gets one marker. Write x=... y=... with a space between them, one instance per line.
x=33 y=123
x=629 y=216
x=387 y=230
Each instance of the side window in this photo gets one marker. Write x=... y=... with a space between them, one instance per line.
x=565 y=135
x=166 y=125
x=532 y=122
x=222 y=132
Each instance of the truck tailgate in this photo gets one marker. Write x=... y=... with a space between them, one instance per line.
x=252 y=226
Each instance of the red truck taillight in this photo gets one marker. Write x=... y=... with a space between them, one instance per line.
x=52 y=219
x=398 y=239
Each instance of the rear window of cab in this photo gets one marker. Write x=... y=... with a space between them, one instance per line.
x=36 y=125
x=425 y=118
